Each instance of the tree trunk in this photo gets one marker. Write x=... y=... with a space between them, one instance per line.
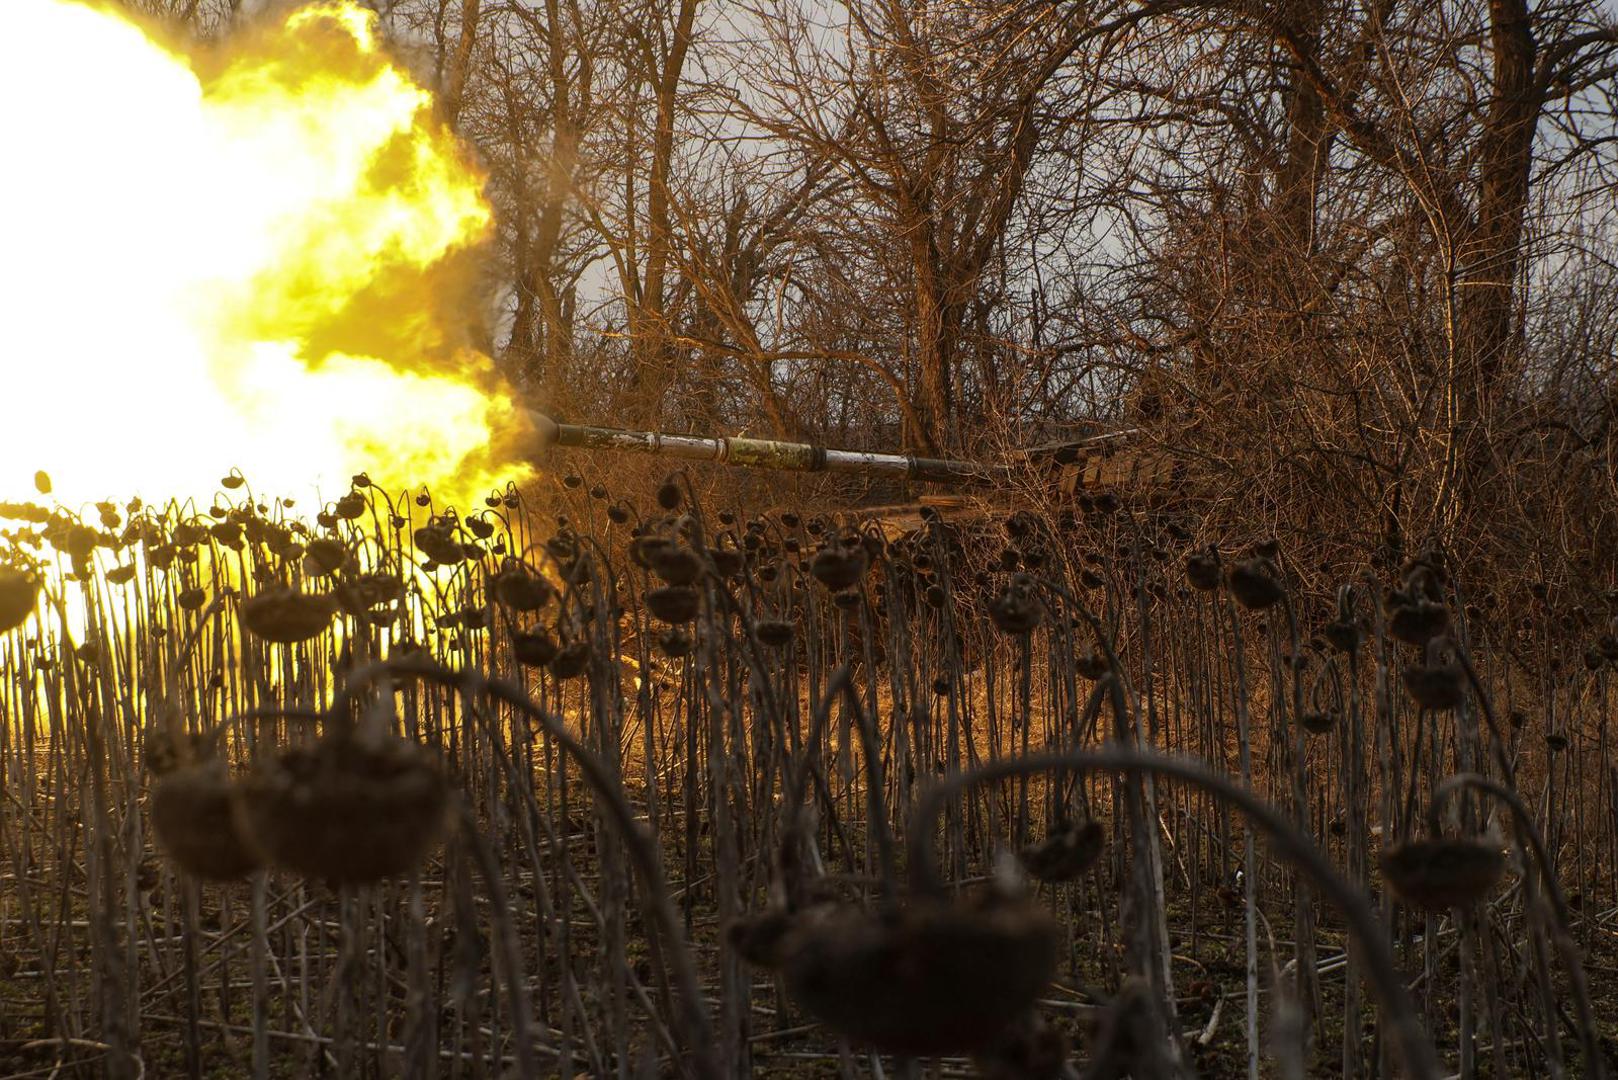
x=652 y=333
x=461 y=63
x=934 y=346
x=1490 y=263
x=1491 y=259
x=555 y=345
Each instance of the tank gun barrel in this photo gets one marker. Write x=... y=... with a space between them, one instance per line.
x=764 y=453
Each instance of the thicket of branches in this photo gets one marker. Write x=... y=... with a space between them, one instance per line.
x=1352 y=260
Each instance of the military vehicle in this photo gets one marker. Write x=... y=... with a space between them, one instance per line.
x=1101 y=461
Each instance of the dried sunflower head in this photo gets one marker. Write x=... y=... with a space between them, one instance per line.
x=1415 y=619
x=930 y=979
x=1443 y=873
x=1068 y=850
x=571 y=659
x=1320 y=721
x=1254 y=583
x=194 y=818
x=1435 y=686
x=284 y=615
x=674 y=564
x=1017 y=609
x=1202 y=570
x=533 y=648
x=674 y=603
x=348 y=810
x=520 y=589
x=776 y=633
x=839 y=565
x=19 y=591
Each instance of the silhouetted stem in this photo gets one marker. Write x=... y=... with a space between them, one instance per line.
x=642 y=851
x=841 y=683
x=1595 y=1060
x=1487 y=707
x=1420 y=1056
x=510 y=947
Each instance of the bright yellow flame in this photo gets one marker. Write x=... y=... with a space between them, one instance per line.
x=258 y=259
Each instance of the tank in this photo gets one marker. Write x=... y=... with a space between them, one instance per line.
x=1098 y=461
x=969 y=497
